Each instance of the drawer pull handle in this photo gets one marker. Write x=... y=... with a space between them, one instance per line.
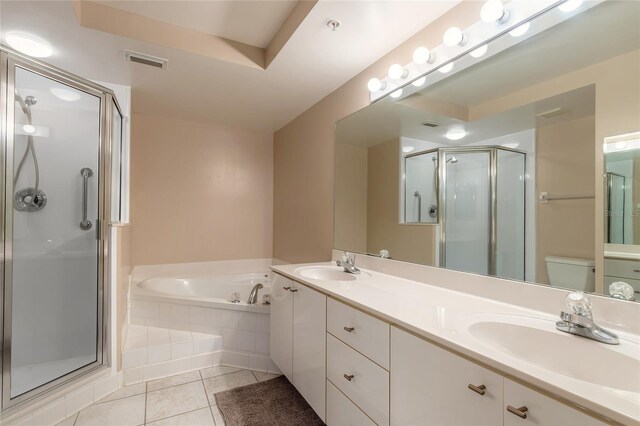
x=480 y=390
x=287 y=288
x=520 y=412
x=293 y=290
x=349 y=377
x=349 y=329
x=636 y=270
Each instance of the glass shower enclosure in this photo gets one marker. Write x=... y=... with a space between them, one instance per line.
x=477 y=195
x=57 y=132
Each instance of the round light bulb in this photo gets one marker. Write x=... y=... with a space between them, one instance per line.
x=421 y=55
x=445 y=69
x=396 y=72
x=29 y=45
x=396 y=94
x=480 y=51
x=520 y=30
x=570 y=5
x=375 y=85
x=453 y=37
x=407 y=149
x=493 y=11
x=419 y=82
x=29 y=129
x=65 y=94
x=456 y=133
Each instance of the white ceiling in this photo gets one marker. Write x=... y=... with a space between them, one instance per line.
x=312 y=64
x=250 y=22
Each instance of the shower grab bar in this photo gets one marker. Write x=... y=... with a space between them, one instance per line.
x=545 y=197
x=86 y=173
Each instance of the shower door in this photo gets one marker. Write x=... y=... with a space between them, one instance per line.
x=53 y=215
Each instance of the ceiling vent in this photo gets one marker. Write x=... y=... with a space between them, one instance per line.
x=141 y=58
x=553 y=112
x=430 y=124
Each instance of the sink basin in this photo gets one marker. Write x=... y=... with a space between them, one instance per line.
x=536 y=341
x=329 y=273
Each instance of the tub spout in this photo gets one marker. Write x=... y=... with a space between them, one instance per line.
x=253 y=296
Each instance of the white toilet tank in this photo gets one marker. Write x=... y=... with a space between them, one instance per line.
x=577 y=274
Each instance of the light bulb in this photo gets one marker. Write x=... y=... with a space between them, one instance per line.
x=419 y=82
x=65 y=94
x=493 y=11
x=29 y=129
x=396 y=72
x=396 y=94
x=445 y=69
x=407 y=149
x=422 y=55
x=520 y=30
x=456 y=133
x=480 y=51
x=453 y=37
x=29 y=45
x=375 y=85
x=570 y=5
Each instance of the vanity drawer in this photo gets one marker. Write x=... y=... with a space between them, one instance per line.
x=622 y=268
x=342 y=412
x=364 y=333
x=361 y=380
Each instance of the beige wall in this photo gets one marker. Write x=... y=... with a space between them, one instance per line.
x=565 y=165
x=351 y=198
x=303 y=151
x=123 y=270
x=410 y=243
x=200 y=192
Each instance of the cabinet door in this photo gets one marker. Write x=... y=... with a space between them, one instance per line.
x=309 y=346
x=281 y=328
x=541 y=410
x=430 y=386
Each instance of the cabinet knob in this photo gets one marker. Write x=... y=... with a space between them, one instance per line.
x=349 y=377
x=349 y=329
x=520 y=412
x=480 y=390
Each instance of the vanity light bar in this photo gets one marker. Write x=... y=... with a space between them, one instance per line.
x=512 y=18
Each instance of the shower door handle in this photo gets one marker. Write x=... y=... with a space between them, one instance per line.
x=86 y=173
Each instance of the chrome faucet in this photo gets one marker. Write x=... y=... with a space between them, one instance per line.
x=253 y=296
x=348 y=262
x=580 y=322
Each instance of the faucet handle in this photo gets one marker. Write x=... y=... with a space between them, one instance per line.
x=621 y=290
x=579 y=303
x=349 y=258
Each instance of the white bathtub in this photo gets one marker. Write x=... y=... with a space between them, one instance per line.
x=213 y=291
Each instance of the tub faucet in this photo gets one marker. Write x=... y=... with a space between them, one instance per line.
x=253 y=296
x=581 y=323
x=348 y=262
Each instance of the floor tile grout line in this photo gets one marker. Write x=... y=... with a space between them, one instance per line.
x=180 y=414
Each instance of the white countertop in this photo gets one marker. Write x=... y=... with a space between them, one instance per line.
x=443 y=316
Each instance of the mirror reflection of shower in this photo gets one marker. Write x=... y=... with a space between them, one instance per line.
x=28 y=199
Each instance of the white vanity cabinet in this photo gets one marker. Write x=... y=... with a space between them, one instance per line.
x=432 y=386
x=626 y=270
x=298 y=338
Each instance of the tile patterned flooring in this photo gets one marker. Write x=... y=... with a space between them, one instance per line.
x=182 y=400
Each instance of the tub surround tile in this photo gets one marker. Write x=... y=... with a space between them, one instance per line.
x=201 y=417
x=179 y=379
x=155 y=371
x=235 y=359
x=179 y=336
x=204 y=360
x=240 y=320
x=182 y=349
x=259 y=363
x=228 y=381
x=120 y=412
x=158 y=354
x=218 y=370
x=175 y=400
x=131 y=375
x=134 y=358
x=158 y=336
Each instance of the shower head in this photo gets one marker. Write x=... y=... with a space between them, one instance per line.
x=30 y=100
x=416 y=194
x=26 y=103
x=452 y=160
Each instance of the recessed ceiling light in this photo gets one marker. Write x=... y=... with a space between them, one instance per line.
x=65 y=94
x=396 y=94
x=419 y=82
x=570 y=5
x=480 y=51
x=407 y=149
x=456 y=133
x=29 y=129
x=520 y=30
x=29 y=45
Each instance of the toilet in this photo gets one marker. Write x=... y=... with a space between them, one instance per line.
x=576 y=274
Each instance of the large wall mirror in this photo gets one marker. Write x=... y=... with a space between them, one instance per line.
x=524 y=165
